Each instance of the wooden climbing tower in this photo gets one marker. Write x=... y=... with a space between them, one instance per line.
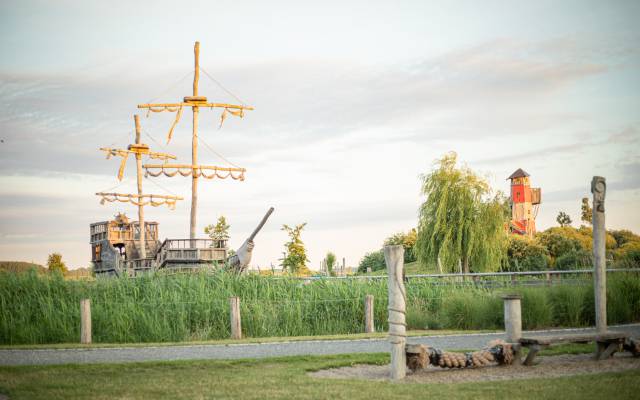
x=525 y=201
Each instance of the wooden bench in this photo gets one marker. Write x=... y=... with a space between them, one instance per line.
x=606 y=343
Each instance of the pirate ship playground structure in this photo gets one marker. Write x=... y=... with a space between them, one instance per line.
x=122 y=246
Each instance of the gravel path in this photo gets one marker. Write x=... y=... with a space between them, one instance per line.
x=546 y=367
x=257 y=350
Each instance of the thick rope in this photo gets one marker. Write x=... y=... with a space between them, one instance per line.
x=497 y=351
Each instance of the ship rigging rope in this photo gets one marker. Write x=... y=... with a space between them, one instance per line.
x=197 y=172
x=201 y=140
x=121 y=135
x=111 y=188
x=131 y=198
x=169 y=88
x=160 y=186
x=222 y=87
x=154 y=140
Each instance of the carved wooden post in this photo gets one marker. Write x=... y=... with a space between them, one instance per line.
x=394 y=256
x=368 y=314
x=236 y=327
x=85 y=321
x=599 y=188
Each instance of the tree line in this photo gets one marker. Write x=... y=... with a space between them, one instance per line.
x=462 y=227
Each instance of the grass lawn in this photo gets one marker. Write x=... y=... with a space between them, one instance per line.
x=283 y=378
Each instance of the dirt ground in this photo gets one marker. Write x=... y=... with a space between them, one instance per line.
x=546 y=367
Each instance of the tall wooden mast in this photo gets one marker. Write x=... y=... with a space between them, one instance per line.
x=194 y=144
x=138 y=149
x=143 y=240
x=195 y=170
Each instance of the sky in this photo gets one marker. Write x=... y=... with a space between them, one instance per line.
x=353 y=102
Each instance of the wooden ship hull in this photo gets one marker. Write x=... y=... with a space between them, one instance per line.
x=115 y=250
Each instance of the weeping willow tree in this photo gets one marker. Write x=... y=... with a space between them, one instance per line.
x=461 y=225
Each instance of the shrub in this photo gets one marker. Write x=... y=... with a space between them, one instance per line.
x=624 y=236
x=569 y=304
x=574 y=259
x=524 y=254
x=44 y=308
x=557 y=242
x=627 y=255
x=537 y=311
x=623 y=298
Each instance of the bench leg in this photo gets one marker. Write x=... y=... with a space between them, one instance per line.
x=606 y=350
x=600 y=348
x=533 y=351
x=517 y=354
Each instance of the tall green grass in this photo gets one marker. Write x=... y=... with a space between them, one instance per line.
x=45 y=309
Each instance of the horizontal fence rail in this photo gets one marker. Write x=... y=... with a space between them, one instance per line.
x=476 y=274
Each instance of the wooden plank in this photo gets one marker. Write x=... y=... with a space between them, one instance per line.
x=195 y=99
x=574 y=338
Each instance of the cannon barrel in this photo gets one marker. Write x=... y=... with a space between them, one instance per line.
x=261 y=224
x=239 y=261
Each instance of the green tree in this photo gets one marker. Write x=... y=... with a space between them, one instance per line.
x=55 y=263
x=295 y=257
x=585 y=211
x=408 y=242
x=373 y=260
x=219 y=231
x=330 y=259
x=459 y=221
x=563 y=219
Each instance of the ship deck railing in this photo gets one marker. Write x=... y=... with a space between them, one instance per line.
x=140 y=264
x=184 y=251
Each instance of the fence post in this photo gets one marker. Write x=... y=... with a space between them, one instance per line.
x=368 y=314
x=236 y=327
x=85 y=321
x=599 y=188
x=512 y=317
x=513 y=322
x=394 y=257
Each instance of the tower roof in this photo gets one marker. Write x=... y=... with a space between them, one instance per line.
x=519 y=173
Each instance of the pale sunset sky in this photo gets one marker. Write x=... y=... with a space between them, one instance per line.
x=353 y=101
